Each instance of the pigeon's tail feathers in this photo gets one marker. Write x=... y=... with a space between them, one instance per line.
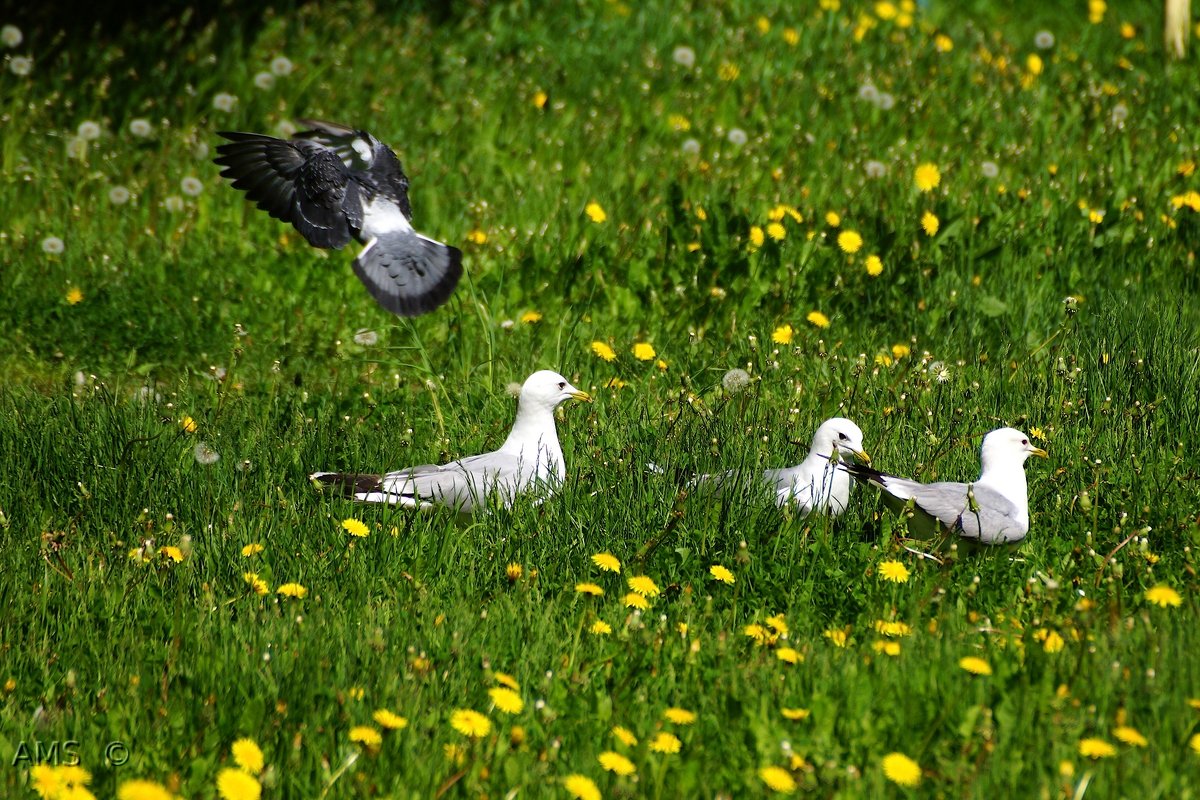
x=409 y=274
x=349 y=483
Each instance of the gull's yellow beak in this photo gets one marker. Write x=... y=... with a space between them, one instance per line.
x=1039 y=452
x=862 y=456
x=579 y=395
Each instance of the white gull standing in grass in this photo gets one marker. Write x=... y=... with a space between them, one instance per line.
x=335 y=184
x=530 y=460
x=993 y=510
x=816 y=483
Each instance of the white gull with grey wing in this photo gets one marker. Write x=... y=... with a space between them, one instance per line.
x=530 y=460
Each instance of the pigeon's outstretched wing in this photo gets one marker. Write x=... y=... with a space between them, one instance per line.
x=297 y=181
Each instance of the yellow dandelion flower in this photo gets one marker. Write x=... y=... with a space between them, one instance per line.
x=257 y=584
x=252 y=549
x=874 y=266
x=292 y=590
x=624 y=736
x=728 y=71
x=171 y=552
x=635 y=600
x=902 y=770
x=234 y=784
x=839 y=637
x=644 y=585
x=389 y=721
x=818 y=319
x=789 y=655
x=1033 y=63
x=850 y=241
x=680 y=716
x=778 y=779
x=1194 y=743
x=901 y=350
x=887 y=647
x=795 y=714
x=188 y=424
x=74 y=296
x=791 y=36
x=470 y=723
x=604 y=351
x=678 y=123
x=44 y=780
x=757 y=237
x=514 y=571
x=589 y=588
x=248 y=755
x=367 y=736
x=661 y=365
x=892 y=627
x=1095 y=747
x=666 y=743
x=721 y=574
x=893 y=571
x=1053 y=642
x=930 y=223
x=355 y=527
x=782 y=334
x=617 y=763
x=477 y=237
x=143 y=790
x=1163 y=596
x=607 y=562
x=644 y=351
x=776 y=231
x=504 y=679
x=455 y=752
x=600 y=628
x=531 y=317
x=1066 y=769
x=581 y=787
x=778 y=623
x=539 y=99
x=1130 y=736
x=506 y=700
x=756 y=632
x=927 y=177
x=595 y=212
x=943 y=43
x=1096 y=9
x=975 y=665
x=832 y=219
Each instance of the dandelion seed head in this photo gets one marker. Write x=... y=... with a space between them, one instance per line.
x=11 y=36
x=118 y=195
x=174 y=204
x=690 y=147
x=191 y=186
x=1120 y=113
x=875 y=169
x=281 y=66
x=76 y=147
x=20 y=66
x=366 y=337
x=205 y=455
x=88 y=131
x=868 y=93
x=264 y=80
x=735 y=380
x=737 y=137
x=140 y=127
x=1043 y=40
x=886 y=101
x=53 y=245
x=684 y=56
x=989 y=169
x=224 y=101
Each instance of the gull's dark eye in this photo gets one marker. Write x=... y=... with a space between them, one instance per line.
x=562 y=384
x=843 y=437
x=1025 y=443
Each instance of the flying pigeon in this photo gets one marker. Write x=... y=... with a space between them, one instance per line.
x=335 y=183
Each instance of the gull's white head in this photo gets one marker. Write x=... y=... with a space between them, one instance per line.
x=841 y=437
x=1008 y=446
x=547 y=389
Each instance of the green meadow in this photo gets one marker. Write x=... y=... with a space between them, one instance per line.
x=935 y=221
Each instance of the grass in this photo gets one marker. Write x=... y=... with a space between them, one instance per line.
x=216 y=314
